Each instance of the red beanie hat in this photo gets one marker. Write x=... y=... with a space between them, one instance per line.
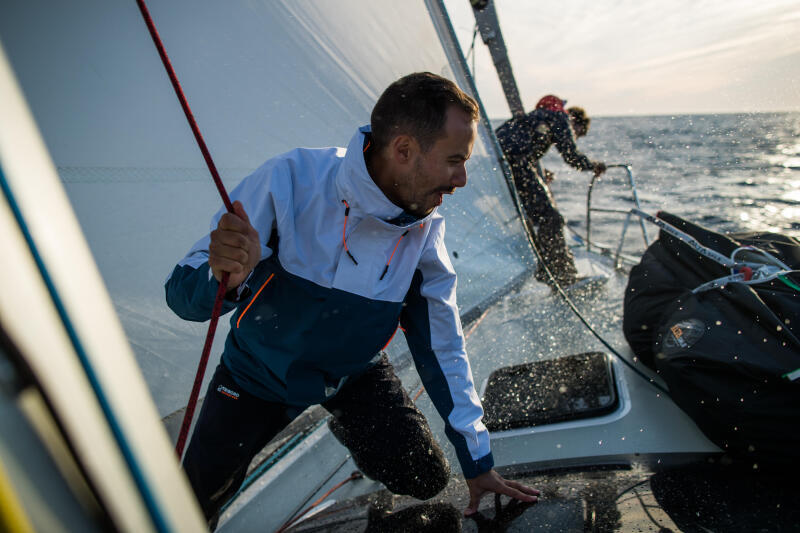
x=552 y=102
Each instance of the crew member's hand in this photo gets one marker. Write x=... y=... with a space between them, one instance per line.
x=491 y=481
x=234 y=247
x=548 y=176
x=598 y=167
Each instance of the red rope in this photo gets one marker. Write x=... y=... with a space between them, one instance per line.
x=201 y=367
x=223 y=284
x=184 y=104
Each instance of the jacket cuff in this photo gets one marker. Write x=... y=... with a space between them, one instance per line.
x=472 y=469
x=238 y=294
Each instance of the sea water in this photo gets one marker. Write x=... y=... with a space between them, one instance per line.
x=731 y=172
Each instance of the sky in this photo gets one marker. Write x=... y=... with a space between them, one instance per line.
x=643 y=57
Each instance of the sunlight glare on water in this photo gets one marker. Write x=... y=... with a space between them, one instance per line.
x=728 y=172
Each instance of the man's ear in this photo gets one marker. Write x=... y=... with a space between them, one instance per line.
x=403 y=149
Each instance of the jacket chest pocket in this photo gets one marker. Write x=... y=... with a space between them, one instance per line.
x=257 y=311
x=380 y=252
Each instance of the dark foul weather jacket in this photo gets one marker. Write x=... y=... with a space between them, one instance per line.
x=529 y=137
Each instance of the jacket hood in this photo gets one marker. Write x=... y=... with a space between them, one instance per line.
x=354 y=184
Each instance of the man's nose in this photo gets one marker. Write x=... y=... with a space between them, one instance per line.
x=460 y=177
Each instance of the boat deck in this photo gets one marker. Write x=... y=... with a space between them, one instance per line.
x=530 y=323
x=696 y=496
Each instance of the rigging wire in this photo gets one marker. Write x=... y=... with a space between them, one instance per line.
x=355 y=475
x=507 y=173
x=223 y=284
x=471 y=51
x=564 y=296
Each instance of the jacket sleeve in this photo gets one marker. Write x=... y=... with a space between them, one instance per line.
x=565 y=142
x=433 y=331
x=191 y=288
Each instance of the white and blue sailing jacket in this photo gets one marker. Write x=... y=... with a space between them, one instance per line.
x=338 y=271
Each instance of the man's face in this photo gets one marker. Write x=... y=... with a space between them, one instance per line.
x=579 y=130
x=441 y=169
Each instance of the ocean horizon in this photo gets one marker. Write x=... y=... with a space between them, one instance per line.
x=729 y=172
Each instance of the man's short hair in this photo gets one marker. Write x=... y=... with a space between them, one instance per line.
x=417 y=105
x=579 y=117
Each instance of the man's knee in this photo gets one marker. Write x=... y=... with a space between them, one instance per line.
x=387 y=435
x=433 y=481
x=416 y=468
x=419 y=477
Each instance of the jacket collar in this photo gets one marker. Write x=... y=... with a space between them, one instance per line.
x=354 y=184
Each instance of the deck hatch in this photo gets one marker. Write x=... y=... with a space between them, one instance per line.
x=554 y=390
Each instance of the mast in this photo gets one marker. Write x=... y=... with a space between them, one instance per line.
x=489 y=28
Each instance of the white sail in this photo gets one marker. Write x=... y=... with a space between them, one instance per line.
x=261 y=78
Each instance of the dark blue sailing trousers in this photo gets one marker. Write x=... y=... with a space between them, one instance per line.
x=389 y=438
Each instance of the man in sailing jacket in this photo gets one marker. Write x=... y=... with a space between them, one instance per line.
x=327 y=251
x=524 y=141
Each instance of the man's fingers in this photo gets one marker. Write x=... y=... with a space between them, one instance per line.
x=235 y=229
x=236 y=221
x=491 y=481
x=238 y=208
x=517 y=491
x=233 y=254
x=221 y=250
x=229 y=251
x=516 y=494
x=523 y=488
x=226 y=265
x=229 y=238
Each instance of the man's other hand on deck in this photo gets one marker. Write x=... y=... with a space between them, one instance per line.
x=493 y=482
